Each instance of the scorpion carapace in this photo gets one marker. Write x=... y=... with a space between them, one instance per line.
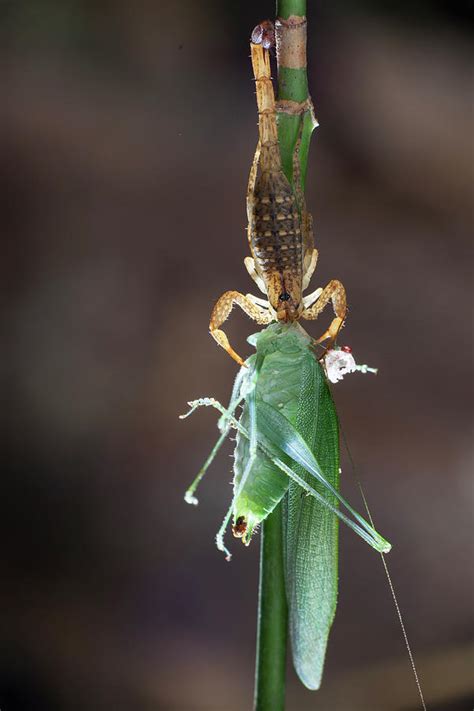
x=279 y=227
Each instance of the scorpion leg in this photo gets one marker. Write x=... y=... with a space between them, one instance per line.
x=253 y=171
x=251 y=184
x=264 y=303
x=249 y=261
x=250 y=267
x=336 y=293
x=221 y=311
x=297 y=186
x=310 y=269
x=310 y=254
x=309 y=300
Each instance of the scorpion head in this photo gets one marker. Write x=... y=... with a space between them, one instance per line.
x=287 y=304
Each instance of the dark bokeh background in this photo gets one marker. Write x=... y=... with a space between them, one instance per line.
x=126 y=134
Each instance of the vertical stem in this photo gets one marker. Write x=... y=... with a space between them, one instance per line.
x=272 y=624
x=285 y=8
x=293 y=95
x=272 y=619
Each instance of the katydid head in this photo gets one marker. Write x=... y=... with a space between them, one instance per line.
x=239 y=528
x=244 y=527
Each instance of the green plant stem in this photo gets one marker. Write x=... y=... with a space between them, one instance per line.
x=272 y=627
x=272 y=619
x=285 y=8
x=293 y=86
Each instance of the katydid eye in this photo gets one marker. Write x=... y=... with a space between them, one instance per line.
x=284 y=297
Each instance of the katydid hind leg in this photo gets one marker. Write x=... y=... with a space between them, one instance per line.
x=372 y=538
x=268 y=447
x=279 y=435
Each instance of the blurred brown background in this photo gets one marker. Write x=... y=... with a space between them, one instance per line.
x=126 y=134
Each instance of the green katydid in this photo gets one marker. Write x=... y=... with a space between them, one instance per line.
x=287 y=448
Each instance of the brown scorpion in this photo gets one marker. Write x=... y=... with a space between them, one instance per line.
x=279 y=229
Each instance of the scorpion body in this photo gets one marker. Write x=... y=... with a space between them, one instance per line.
x=279 y=229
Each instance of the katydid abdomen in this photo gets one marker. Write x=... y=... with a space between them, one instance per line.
x=283 y=356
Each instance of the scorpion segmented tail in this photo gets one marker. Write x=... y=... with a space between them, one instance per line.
x=267 y=125
x=274 y=229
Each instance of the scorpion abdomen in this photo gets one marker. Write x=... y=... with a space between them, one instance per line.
x=275 y=235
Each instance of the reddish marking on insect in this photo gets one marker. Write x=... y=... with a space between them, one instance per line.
x=239 y=528
x=264 y=34
x=346 y=349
